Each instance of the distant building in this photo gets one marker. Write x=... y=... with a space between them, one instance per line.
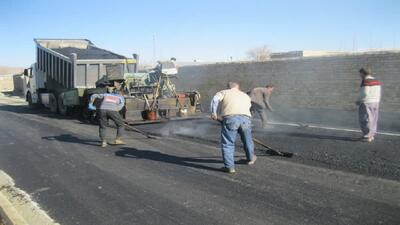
x=302 y=53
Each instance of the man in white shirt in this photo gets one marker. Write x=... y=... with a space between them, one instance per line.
x=235 y=113
x=370 y=96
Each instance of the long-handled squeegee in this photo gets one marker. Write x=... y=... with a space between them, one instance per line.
x=276 y=152
x=140 y=131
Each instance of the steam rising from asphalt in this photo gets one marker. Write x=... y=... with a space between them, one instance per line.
x=206 y=128
x=190 y=128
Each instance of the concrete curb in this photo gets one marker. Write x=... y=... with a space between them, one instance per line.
x=8 y=212
x=17 y=207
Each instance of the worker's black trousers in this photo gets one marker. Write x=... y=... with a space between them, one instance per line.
x=104 y=115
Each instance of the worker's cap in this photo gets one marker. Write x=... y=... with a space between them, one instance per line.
x=365 y=71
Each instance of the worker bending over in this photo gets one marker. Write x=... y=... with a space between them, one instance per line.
x=260 y=102
x=235 y=118
x=109 y=108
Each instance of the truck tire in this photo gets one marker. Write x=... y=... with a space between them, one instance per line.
x=29 y=100
x=62 y=109
x=53 y=103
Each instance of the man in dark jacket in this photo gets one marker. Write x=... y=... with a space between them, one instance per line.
x=111 y=104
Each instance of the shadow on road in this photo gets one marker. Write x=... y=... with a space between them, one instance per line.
x=43 y=112
x=71 y=139
x=166 y=158
x=26 y=110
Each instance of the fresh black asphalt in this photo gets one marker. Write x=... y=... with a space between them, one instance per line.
x=335 y=149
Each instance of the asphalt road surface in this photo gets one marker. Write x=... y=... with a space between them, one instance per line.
x=175 y=179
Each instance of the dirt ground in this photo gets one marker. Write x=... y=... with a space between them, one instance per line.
x=1 y=221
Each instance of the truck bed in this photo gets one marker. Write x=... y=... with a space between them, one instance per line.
x=89 y=53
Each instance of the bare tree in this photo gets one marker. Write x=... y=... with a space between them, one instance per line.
x=259 y=54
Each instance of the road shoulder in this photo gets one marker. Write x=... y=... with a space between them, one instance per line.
x=16 y=206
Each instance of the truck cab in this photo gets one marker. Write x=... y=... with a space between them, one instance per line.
x=34 y=82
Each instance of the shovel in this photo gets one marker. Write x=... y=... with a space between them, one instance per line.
x=147 y=102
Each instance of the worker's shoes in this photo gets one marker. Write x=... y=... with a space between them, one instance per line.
x=368 y=138
x=371 y=139
x=119 y=141
x=252 y=161
x=104 y=144
x=228 y=170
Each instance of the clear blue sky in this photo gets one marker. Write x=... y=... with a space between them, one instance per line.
x=207 y=30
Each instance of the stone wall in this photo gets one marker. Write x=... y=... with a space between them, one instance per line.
x=13 y=83
x=305 y=85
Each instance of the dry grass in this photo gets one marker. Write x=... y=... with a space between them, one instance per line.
x=10 y=70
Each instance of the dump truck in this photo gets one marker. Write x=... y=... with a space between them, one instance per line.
x=65 y=69
x=68 y=71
